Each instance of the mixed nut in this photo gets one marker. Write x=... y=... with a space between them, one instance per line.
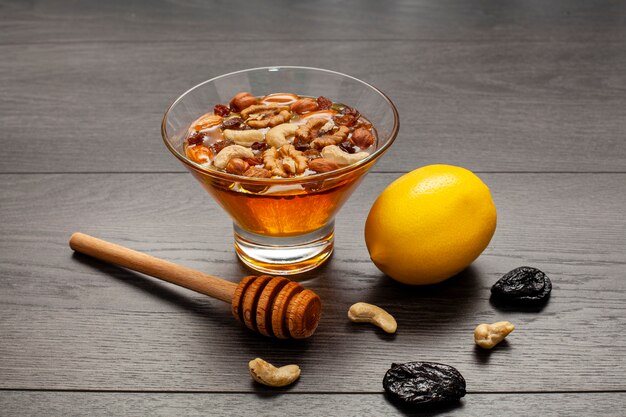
x=281 y=135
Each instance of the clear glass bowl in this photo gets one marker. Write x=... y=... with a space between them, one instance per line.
x=282 y=226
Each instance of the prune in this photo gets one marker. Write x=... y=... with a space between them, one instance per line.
x=324 y=103
x=424 y=383
x=221 y=110
x=523 y=285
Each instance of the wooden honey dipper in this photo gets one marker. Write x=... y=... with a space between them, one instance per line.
x=273 y=306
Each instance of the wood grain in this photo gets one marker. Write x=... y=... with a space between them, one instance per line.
x=178 y=20
x=488 y=106
x=499 y=87
x=283 y=404
x=72 y=323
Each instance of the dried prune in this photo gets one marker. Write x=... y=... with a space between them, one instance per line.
x=424 y=383
x=523 y=285
x=221 y=110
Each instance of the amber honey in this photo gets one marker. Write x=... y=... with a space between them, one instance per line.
x=283 y=210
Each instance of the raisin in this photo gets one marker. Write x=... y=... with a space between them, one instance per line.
x=349 y=117
x=234 y=123
x=259 y=146
x=346 y=146
x=221 y=110
x=324 y=103
x=523 y=285
x=219 y=145
x=424 y=383
x=196 y=139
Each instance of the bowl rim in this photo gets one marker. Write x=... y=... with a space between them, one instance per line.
x=280 y=181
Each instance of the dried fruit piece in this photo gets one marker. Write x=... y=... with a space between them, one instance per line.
x=348 y=117
x=523 y=285
x=221 y=110
x=417 y=383
x=200 y=154
x=234 y=123
x=259 y=146
x=196 y=139
x=324 y=103
x=219 y=145
x=346 y=146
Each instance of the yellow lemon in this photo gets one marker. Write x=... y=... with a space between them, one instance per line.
x=430 y=224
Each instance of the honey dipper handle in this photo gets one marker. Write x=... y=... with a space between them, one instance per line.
x=176 y=274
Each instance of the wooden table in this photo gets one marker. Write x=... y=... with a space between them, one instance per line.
x=529 y=95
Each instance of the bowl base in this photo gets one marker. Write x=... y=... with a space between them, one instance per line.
x=284 y=255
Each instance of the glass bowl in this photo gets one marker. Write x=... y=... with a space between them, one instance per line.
x=282 y=226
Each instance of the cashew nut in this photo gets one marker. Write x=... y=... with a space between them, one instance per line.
x=267 y=374
x=229 y=152
x=369 y=313
x=277 y=136
x=243 y=137
x=488 y=335
x=335 y=154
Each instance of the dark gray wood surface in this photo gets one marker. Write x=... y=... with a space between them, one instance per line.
x=531 y=95
x=271 y=404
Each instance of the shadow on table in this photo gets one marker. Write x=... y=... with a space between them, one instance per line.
x=156 y=288
x=432 y=305
x=483 y=355
x=424 y=410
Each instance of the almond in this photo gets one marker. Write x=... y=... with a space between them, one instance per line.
x=322 y=165
x=257 y=173
x=304 y=105
x=242 y=101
